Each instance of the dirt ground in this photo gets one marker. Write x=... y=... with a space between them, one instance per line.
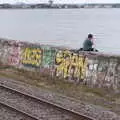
x=101 y=97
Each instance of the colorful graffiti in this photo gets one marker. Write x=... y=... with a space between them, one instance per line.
x=32 y=57
x=93 y=70
x=70 y=65
x=14 y=57
x=48 y=56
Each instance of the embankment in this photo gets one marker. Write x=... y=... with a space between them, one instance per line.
x=91 y=69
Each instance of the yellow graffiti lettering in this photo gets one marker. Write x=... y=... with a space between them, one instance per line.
x=32 y=56
x=70 y=65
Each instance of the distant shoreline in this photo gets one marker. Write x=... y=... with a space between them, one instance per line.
x=57 y=6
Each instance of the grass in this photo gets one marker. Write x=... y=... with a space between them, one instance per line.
x=95 y=96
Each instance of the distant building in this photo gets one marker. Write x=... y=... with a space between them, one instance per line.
x=50 y=2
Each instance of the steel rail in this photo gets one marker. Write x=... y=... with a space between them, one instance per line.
x=70 y=111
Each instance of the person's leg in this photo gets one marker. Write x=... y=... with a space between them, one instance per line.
x=93 y=49
x=90 y=49
x=96 y=50
x=81 y=49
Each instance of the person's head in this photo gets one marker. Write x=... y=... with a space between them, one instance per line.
x=90 y=36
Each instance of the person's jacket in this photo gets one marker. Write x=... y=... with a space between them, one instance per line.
x=87 y=45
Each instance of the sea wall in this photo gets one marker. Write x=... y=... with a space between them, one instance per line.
x=92 y=69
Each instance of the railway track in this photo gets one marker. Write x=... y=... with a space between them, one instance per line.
x=36 y=108
x=11 y=113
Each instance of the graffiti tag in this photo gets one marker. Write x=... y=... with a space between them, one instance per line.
x=70 y=65
x=32 y=56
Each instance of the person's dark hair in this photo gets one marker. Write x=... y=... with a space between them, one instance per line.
x=90 y=36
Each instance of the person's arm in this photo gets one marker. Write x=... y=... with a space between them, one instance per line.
x=92 y=41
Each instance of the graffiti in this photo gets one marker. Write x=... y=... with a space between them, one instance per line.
x=110 y=74
x=91 y=72
x=14 y=57
x=103 y=65
x=48 y=56
x=70 y=65
x=32 y=57
x=4 y=53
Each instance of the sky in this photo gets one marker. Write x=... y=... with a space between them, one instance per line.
x=60 y=1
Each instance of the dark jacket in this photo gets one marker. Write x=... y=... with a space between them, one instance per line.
x=87 y=45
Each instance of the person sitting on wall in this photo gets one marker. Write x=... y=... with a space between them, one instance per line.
x=88 y=44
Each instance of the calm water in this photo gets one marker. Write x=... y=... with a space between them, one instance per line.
x=66 y=27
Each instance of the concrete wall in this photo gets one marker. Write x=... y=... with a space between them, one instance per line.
x=92 y=69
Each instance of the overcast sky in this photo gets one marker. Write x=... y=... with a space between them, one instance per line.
x=61 y=1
